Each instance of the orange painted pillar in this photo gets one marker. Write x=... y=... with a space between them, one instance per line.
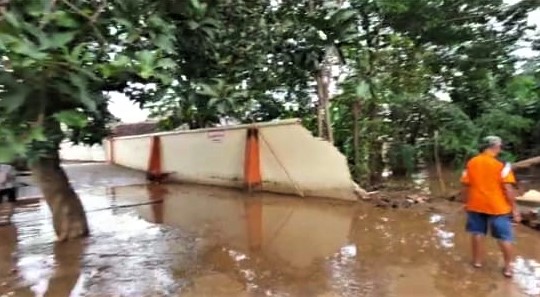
x=112 y=197
x=252 y=162
x=156 y=193
x=154 y=160
x=254 y=213
x=110 y=157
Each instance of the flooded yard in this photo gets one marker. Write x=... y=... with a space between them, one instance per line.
x=180 y=240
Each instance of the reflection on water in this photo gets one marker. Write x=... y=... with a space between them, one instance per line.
x=275 y=229
x=428 y=181
x=528 y=275
x=197 y=241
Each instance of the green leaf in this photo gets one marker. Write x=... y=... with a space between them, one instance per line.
x=145 y=57
x=199 y=7
x=7 y=153
x=363 y=90
x=77 y=51
x=62 y=19
x=14 y=98
x=146 y=72
x=8 y=38
x=36 y=32
x=11 y=19
x=207 y=90
x=121 y=61
x=212 y=102
x=210 y=22
x=124 y=22
x=343 y=15
x=222 y=108
x=72 y=118
x=166 y=63
x=164 y=78
x=27 y=48
x=132 y=37
x=165 y=42
x=37 y=9
x=156 y=21
x=146 y=61
x=192 y=25
x=58 y=40
x=84 y=96
x=210 y=32
x=36 y=134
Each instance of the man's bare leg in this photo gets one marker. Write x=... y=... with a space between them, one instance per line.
x=477 y=250
x=508 y=256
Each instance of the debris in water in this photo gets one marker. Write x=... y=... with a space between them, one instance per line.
x=417 y=198
x=217 y=284
x=436 y=218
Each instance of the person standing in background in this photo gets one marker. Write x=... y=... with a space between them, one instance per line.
x=8 y=188
x=488 y=192
x=7 y=183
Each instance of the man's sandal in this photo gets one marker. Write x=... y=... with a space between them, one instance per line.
x=507 y=272
x=477 y=265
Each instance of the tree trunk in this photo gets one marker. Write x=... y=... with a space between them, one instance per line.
x=320 y=105
x=324 y=121
x=326 y=77
x=356 y=135
x=328 y=118
x=69 y=218
x=320 y=121
x=376 y=164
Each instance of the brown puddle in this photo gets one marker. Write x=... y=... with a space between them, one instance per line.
x=199 y=241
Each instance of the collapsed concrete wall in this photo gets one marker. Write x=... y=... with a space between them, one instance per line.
x=71 y=152
x=281 y=157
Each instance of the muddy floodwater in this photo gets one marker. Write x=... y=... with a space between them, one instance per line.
x=180 y=240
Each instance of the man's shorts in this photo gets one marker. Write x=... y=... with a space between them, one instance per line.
x=500 y=226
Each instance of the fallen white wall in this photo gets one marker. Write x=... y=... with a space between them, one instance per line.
x=292 y=160
x=131 y=152
x=71 y=152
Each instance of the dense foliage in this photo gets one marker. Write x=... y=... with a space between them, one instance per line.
x=367 y=75
x=58 y=60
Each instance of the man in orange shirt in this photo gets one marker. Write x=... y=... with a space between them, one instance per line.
x=490 y=201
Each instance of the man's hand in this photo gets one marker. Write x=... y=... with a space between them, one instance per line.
x=516 y=215
x=464 y=194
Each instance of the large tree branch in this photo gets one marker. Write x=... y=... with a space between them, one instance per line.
x=92 y=19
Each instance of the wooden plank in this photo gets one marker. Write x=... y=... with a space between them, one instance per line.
x=526 y=163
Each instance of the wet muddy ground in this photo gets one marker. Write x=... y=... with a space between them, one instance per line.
x=180 y=240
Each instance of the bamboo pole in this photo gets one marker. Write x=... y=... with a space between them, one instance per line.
x=526 y=163
x=295 y=184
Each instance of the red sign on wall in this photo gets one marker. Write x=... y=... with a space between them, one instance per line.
x=216 y=136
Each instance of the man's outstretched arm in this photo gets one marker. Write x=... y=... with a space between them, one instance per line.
x=510 y=194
